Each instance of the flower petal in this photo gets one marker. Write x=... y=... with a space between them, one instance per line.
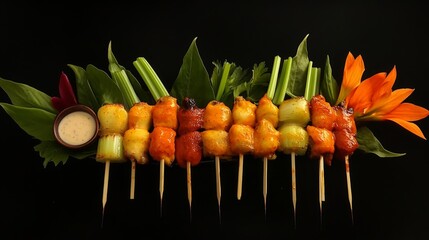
x=353 y=71
x=408 y=112
x=409 y=126
x=361 y=98
x=386 y=105
x=385 y=89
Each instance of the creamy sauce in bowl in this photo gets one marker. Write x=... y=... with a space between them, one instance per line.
x=77 y=128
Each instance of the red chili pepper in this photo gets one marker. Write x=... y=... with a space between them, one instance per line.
x=67 y=97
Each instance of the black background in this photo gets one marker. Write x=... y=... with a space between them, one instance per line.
x=390 y=197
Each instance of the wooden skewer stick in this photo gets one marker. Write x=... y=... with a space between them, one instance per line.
x=293 y=186
x=105 y=188
x=240 y=177
x=133 y=179
x=265 y=183
x=349 y=185
x=161 y=182
x=218 y=184
x=189 y=185
x=321 y=186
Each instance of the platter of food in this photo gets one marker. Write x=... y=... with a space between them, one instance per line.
x=279 y=147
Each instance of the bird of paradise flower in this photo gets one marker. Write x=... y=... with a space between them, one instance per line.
x=374 y=100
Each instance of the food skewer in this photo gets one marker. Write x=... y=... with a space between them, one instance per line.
x=345 y=143
x=105 y=188
x=217 y=120
x=294 y=114
x=241 y=134
x=322 y=139
x=349 y=185
x=189 y=149
x=113 y=120
x=136 y=138
x=162 y=143
x=266 y=137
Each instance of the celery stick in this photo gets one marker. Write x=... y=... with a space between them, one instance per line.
x=309 y=84
x=130 y=97
x=147 y=78
x=280 y=93
x=225 y=73
x=274 y=75
x=158 y=83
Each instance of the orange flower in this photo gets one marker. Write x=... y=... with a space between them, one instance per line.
x=353 y=71
x=374 y=100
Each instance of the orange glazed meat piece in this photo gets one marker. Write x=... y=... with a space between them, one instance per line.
x=266 y=139
x=241 y=139
x=267 y=110
x=321 y=142
x=217 y=116
x=216 y=143
x=189 y=148
x=162 y=144
x=244 y=112
x=164 y=113
x=140 y=116
x=322 y=114
x=190 y=117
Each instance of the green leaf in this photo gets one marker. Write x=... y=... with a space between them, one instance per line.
x=259 y=82
x=85 y=95
x=104 y=88
x=298 y=74
x=328 y=85
x=35 y=122
x=51 y=151
x=26 y=96
x=193 y=79
x=370 y=144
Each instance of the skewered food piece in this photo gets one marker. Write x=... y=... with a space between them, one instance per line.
x=266 y=109
x=136 y=145
x=216 y=144
x=190 y=117
x=164 y=113
x=241 y=139
x=217 y=116
x=113 y=120
x=293 y=139
x=162 y=144
x=321 y=142
x=140 y=116
x=321 y=112
x=266 y=139
x=294 y=110
x=345 y=133
x=244 y=112
x=189 y=148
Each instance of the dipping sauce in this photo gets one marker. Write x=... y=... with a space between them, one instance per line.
x=77 y=128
